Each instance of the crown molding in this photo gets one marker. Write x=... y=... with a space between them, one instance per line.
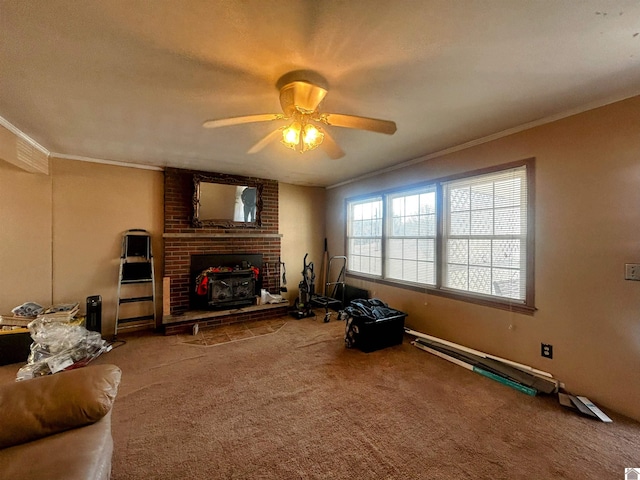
x=105 y=162
x=494 y=136
x=26 y=138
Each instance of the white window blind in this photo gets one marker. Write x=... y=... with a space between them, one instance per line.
x=485 y=234
x=411 y=238
x=364 y=236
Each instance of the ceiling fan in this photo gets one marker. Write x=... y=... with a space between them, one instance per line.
x=301 y=94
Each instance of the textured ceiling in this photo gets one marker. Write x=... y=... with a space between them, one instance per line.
x=132 y=81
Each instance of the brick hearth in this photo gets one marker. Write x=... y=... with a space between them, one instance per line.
x=184 y=323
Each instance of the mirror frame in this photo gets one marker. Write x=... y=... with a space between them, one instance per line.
x=223 y=179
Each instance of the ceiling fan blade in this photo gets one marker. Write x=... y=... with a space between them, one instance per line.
x=330 y=147
x=266 y=141
x=361 y=123
x=225 y=122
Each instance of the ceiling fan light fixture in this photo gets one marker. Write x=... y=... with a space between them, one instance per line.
x=291 y=135
x=302 y=138
x=312 y=137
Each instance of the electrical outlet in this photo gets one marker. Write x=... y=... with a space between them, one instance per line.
x=546 y=350
x=632 y=271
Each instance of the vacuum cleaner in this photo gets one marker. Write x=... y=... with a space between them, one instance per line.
x=306 y=288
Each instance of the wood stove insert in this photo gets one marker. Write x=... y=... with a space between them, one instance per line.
x=220 y=281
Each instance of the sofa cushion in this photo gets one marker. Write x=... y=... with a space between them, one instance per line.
x=42 y=406
x=83 y=453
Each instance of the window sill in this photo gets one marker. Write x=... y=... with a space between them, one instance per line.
x=478 y=300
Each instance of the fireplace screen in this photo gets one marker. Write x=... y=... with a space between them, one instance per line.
x=231 y=289
x=225 y=287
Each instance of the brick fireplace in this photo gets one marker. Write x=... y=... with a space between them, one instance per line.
x=182 y=239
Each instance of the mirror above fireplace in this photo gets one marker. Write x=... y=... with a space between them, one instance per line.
x=226 y=201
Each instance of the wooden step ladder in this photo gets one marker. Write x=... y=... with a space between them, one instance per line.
x=136 y=268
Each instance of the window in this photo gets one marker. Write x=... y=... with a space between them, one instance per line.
x=485 y=234
x=466 y=237
x=411 y=251
x=364 y=236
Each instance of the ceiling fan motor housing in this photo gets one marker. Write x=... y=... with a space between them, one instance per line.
x=301 y=96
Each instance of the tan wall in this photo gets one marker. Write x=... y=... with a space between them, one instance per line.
x=301 y=220
x=587 y=217
x=61 y=235
x=25 y=237
x=93 y=205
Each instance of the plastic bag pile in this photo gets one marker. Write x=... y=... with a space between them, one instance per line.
x=60 y=346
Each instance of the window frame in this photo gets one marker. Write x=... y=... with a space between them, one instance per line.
x=526 y=307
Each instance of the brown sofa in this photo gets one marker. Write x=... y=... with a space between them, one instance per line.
x=58 y=426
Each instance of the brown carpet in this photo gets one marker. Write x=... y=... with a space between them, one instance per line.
x=296 y=404
x=235 y=332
